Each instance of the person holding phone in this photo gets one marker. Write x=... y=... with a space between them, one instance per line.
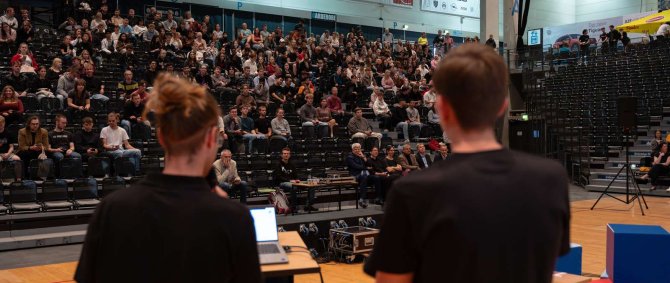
x=175 y=225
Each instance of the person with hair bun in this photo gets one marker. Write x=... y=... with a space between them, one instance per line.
x=175 y=225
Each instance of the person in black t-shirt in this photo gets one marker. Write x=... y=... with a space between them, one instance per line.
x=660 y=165
x=604 y=40
x=86 y=141
x=6 y=143
x=61 y=141
x=485 y=214
x=584 y=42
x=262 y=124
x=174 y=226
x=614 y=36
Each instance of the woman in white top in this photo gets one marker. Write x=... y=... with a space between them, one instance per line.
x=98 y=20
x=139 y=29
x=217 y=33
x=335 y=40
x=176 y=41
x=429 y=98
x=387 y=81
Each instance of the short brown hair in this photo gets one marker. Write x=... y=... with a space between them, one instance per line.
x=473 y=77
x=87 y=120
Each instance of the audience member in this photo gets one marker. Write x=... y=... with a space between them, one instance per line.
x=233 y=127
x=422 y=157
x=41 y=85
x=9 y=19
x=442 y=154
x=323 y=115
x=408 y=160
x=356 y=164
x=33 y=141
x=262 y=124
x=249 y=133
x=7 y=145
x=127 y=85
x=280 y=127
x=335 y=103
x=86 y=140
x=285 y=175
x=11 y=108
x=380 y=168
x=66 y=84
x=245 y=98
x=359 y=127
x=310 y=119
x=115 y=142
x=78 y=100
x=61 y=142
x=16 y=80
x=227 y=177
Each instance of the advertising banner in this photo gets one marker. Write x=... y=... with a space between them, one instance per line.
x=570 y=33
x=467 y=8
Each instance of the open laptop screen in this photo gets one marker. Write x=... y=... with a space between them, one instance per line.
x=265 y=223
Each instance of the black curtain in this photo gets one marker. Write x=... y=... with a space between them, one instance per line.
x=524 y=8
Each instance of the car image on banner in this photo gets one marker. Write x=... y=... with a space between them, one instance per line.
x=572 y=40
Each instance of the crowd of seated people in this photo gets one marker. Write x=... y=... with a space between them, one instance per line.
x=260 y=75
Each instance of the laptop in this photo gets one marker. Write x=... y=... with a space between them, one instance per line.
x=267 y=238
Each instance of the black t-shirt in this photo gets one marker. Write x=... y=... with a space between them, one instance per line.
x=664 y=158
x=278 y=90
x=60 y=140
x=496 y=216
x=378 y=164
x=169 y=229
x=5 y=141
x=584 y=39
x=262 y=124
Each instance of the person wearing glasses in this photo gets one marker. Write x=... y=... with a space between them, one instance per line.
x=174 y=225
x=227 y=177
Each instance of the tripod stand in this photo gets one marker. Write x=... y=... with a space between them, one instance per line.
x=629 y=178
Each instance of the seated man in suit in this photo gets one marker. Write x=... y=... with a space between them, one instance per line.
x=423 y=157
x=227 y=177
x=356 y=163
x=442 y=154
x=408 y=160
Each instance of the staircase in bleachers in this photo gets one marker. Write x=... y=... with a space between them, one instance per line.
x=579 y=105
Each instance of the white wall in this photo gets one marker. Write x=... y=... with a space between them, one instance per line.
x=551 y=13
x=589 y=10
x=544 y=13
x=357 y=12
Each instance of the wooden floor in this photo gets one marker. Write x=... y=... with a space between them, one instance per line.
x=588 y=229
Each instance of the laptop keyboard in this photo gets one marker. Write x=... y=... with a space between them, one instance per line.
x=268 y=249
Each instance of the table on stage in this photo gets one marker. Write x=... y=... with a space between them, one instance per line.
x=300 y=260
x=339 y=186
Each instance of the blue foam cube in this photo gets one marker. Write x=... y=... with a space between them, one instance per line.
x=571 y=262
x=638 y=253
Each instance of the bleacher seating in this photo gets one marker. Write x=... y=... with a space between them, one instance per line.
x=579 y=102
x=312 y=155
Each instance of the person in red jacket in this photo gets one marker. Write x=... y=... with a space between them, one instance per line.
x=28 y=62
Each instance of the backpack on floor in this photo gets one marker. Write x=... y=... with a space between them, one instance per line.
x=279 y=200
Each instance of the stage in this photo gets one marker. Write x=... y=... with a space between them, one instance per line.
x=588 y=227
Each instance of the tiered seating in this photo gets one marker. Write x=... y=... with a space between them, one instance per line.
x=579 y=102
